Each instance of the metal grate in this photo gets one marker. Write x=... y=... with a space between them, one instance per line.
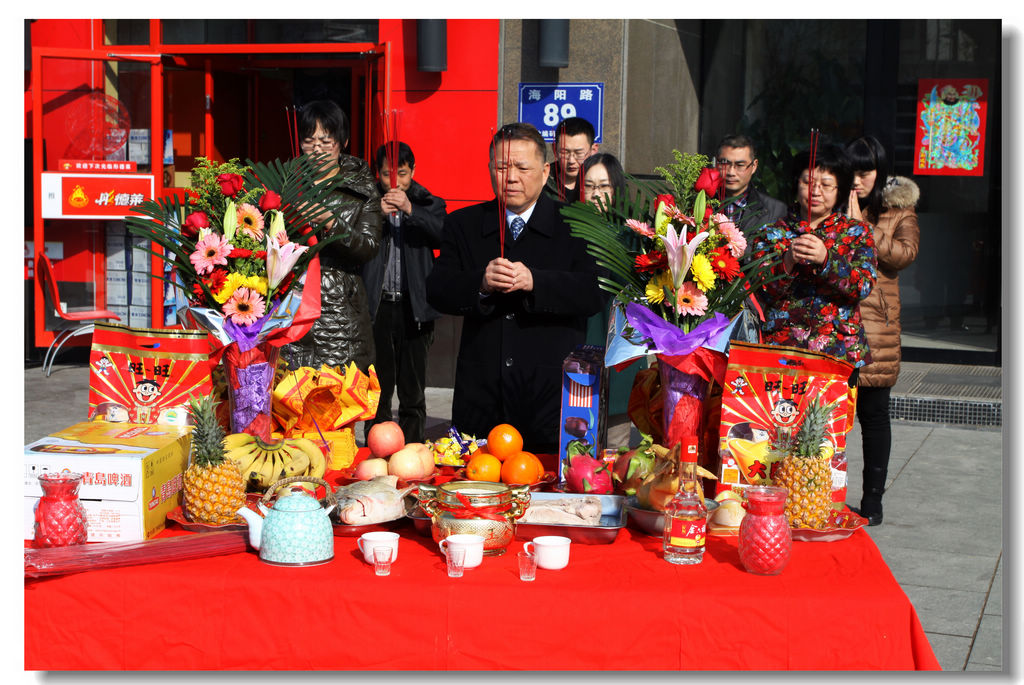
x=945 y=410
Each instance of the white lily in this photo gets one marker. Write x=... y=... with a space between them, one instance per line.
x=680 y=254
x=276 y=226
x=280 y=260
x=230 y=220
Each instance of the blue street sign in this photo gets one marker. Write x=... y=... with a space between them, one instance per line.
x=546 y=104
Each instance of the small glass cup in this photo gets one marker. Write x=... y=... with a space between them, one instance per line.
x=382 y=560
x=456 y=561
x=527 y=566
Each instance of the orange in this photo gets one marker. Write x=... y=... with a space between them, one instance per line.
x=484 y=467
x=504 y=441
x=523 y=468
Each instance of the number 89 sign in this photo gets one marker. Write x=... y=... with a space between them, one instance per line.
x=546 y=104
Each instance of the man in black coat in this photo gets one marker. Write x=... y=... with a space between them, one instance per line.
x=524 y=312
x=748 y=208
x=403 y=321
x=745 y=205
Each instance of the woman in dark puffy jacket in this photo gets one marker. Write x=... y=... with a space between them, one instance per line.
x=887 y=204
x=343 y=333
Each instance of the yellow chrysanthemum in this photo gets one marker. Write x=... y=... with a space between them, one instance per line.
x=655 y=290
x=703 y=274
x=235 y=281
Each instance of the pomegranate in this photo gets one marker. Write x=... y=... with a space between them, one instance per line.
x=385 y=438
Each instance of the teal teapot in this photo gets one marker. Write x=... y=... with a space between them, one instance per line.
x=296 y=530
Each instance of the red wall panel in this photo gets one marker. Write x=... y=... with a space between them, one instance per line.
x=448 y=117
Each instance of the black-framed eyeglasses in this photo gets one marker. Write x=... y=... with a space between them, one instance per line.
x=739 y=166
x=600 y=187
x=323 y=141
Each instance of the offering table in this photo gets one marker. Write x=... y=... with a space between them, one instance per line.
x=615 y=607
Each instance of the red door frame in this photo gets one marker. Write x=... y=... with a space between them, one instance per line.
x=370 y=59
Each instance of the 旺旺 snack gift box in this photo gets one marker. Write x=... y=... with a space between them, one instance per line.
x=584 y=405
x=131 y=475
x=765 y=394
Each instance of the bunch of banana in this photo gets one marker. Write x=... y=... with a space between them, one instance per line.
x=453 y=451
x=262 y=463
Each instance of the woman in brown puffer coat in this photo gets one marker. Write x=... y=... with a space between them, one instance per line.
x=888 y=205
x=343 y=333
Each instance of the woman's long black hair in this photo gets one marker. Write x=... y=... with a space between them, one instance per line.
x=867 y=154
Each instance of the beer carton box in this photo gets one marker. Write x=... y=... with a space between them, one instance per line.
x=132 y=475
x=582 y=426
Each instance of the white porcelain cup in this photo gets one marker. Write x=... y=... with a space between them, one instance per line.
x=552 y=551
x=473 y=544
x=378 y=538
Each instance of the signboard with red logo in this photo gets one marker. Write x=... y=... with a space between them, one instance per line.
x=950 y=138
x=93 y=196
x=104 y=166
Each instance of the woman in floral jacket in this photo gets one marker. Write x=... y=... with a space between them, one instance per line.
x=828 y=265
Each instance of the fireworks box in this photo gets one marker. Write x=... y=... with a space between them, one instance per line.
x=766 y=392
x=584 y=405
x=132 y=475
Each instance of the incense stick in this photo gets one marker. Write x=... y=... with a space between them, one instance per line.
x=811 y=166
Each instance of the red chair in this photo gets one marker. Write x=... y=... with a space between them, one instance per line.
x=44 y=267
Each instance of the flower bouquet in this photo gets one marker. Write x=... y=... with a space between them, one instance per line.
x=677 y=279
x=242 y=253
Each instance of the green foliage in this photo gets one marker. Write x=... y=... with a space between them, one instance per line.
x=683 y=174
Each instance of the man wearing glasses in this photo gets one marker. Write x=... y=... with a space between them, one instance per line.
x=746 y=206
x=573 y=143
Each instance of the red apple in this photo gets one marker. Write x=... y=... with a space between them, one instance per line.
x=385 y=438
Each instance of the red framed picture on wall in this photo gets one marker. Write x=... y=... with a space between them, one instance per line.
x=950 y=139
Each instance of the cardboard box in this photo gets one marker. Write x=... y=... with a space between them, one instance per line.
x=117 y=288
x=142 y=260
x=116 y=247
x=142 y=289
x=139 y=316
x=584 y=415
x=132 y=474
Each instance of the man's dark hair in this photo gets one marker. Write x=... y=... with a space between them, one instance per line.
x=573 y=126
x=737 y=140
x=405 y=156
x=830 y=158
x=331 y=118
x=867 y=154
x=518 y=131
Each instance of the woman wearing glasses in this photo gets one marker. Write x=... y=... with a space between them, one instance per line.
x=603 y=181
x=887 y=204
x=343 y=333
x=827 y=268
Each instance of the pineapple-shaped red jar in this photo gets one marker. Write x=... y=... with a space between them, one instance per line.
x=765 y=541
x=60 y=516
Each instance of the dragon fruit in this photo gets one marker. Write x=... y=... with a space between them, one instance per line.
x=585 y=474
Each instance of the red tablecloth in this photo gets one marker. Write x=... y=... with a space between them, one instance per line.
x=616 y=607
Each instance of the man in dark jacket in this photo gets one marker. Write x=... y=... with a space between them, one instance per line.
x=403 y=321
x=573 y=144
x=748 y=208
x=525 y=309
x=745 y=205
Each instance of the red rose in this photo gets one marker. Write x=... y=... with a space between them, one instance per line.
x=666 y=199
x=193 y=222
x=270 y=200
x=230 y=184
x=709 y=181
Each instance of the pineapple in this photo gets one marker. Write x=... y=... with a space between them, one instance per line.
x=806 y=470
x=214 y=488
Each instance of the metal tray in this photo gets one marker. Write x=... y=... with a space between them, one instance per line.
x=613 y=519
x=653 y=522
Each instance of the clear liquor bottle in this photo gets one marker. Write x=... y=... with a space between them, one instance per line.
x=686 y=516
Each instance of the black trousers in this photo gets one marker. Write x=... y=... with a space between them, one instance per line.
x=401 y=363
x=873 y=414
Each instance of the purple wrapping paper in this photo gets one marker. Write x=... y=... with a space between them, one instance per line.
x=251 y=397
x=669 y=339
